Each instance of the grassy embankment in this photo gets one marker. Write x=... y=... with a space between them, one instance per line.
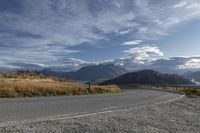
x=188 y=90
x=183 y=89
x=30 y=84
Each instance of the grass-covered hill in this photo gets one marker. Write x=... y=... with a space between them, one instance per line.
x=29 y=75
x=29 y=84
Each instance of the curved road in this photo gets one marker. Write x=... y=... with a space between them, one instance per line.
x=27 y=109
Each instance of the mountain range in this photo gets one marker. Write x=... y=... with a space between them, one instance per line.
x=112 y=74
x=175 y=65
x=88 y=73
x=149 y=77
x=194 y=76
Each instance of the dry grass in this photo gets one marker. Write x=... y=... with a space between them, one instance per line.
x=189 y=90
x=186 y=90
x=43 y=86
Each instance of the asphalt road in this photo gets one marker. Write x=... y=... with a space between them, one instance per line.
x=27 y=109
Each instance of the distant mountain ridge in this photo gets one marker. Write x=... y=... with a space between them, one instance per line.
x=51 y=72
x=149 y=77
x=101 y=71
x=174 y=65
x=92 y=72
x=195 y=76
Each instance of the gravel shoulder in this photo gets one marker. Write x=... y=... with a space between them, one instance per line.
x=181 y=116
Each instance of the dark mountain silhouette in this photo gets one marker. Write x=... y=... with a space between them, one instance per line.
x=149 y=77
x=93 y=72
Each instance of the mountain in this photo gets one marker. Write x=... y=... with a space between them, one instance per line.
x=50 y=72
x=88 y=73
x=94 y=72
x=195 y=76
x=177 y=65
x=149 y=77
x=5 y=69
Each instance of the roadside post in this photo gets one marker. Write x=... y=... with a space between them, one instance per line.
x=89 y=85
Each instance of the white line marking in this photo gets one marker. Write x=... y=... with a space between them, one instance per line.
x=112 y=110
x=84 y=115
x=171 y=100
x=15 y=123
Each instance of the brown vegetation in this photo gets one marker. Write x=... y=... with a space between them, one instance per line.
x=188 y=90
x=29 y=84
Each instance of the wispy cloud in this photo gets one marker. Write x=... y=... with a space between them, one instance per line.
x=181 y=4
x=43 y=30
x=194 y=5
x=134 y=42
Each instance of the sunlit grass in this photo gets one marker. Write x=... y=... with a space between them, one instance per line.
x=27 y=86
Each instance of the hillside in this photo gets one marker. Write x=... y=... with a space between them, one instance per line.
x=149 y=77
x=88 y=73
x=31 y=75
x=23 y=75
x=195 y=76
x=29 y=84
x=51 y=72
x=102 y=71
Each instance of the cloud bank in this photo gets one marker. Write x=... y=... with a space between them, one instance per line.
x=144 y=54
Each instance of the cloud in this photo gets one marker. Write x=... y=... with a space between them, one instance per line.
x=42 y=31
x=194 y=5
x=192 y=63
x=177 y=65
x=134 y=42
x=144 y=54
x=28 y=66
x=65 y=65
x=71 y=64
x=75 y=22
x=181 y=4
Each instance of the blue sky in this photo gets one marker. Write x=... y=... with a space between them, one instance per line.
x=183 y=41
x=49 y=32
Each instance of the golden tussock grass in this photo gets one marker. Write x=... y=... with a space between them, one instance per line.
x=30 y=88
x=43 y=86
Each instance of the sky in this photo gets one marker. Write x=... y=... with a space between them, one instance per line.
x=73 y=33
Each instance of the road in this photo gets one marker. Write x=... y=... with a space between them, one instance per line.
x=28 y=109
